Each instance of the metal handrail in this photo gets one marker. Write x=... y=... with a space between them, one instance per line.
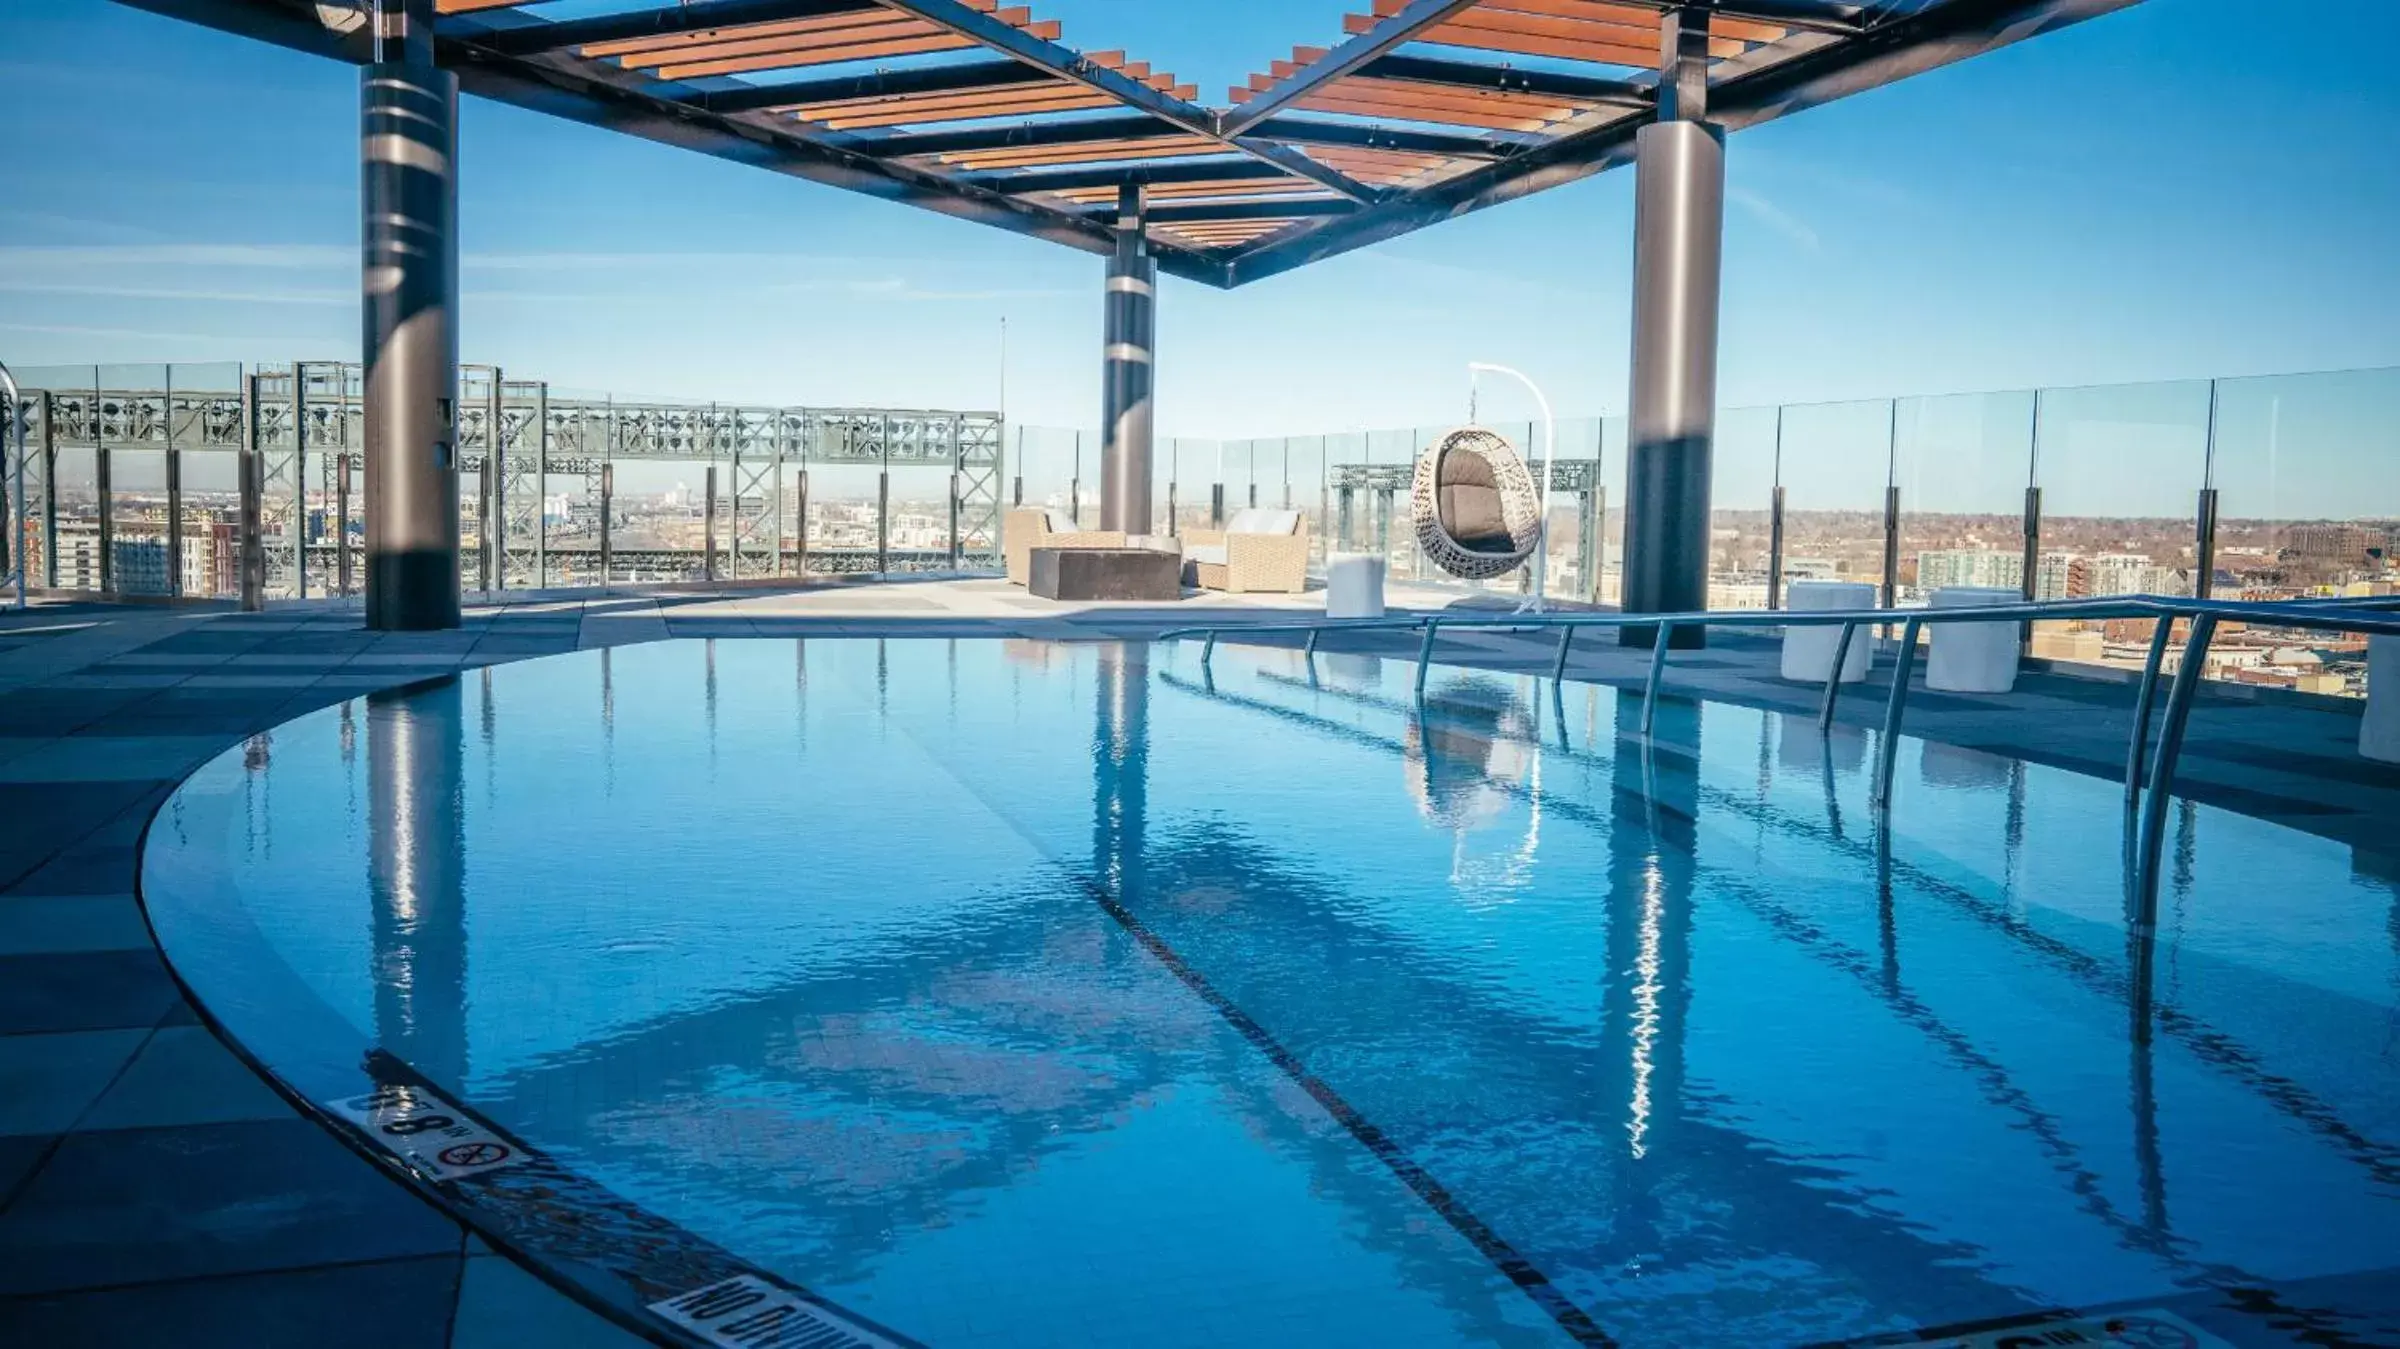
x=2340 y=614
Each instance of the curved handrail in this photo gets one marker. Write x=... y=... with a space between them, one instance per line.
x=2331 y=613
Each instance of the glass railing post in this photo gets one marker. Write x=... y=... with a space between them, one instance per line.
x=1775 y=549
x=341 y=523
x=800 y=524
x=541 y=486
x=49 y=453
x=1891 y=545
x=2204 y=547
x=608 y=508
x=103 y=488
x=249 y=538
x=174 y=511
x=708 y=524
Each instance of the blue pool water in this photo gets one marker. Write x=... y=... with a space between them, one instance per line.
x=1010 y=993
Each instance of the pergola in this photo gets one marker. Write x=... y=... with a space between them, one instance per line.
x=976 y=108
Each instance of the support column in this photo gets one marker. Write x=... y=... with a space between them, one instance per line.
x=408 y=151
x=1678 y=240
x=1127 y=376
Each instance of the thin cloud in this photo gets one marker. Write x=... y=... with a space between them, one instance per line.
x=310 y=297
x=1775 y=218
x=277 y=256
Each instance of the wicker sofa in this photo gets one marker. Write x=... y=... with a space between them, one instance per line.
x=1258 y=550
x=1027 y=528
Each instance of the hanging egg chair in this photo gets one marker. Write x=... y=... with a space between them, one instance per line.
x=1477 y=512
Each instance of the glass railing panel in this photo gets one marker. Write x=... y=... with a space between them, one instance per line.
x=1962 y=463
x=1612 y=510
x=1834 y=468
x=64 y=511
x=207 y=432
x=2120 y=468
x=582 y=423
x=1574 y=537
x=2306 y=472
x=1304 y=460
x=1741 y=514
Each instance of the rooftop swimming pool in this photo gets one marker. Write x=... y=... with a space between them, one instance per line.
x=1006 y=993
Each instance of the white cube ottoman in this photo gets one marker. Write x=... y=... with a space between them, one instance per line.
x=1353 y=585
x=1808 y=652
x=1973 y=657
x=2379 y=729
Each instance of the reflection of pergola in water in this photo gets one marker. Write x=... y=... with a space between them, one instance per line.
x=1652 y=1149
x=1431 y=109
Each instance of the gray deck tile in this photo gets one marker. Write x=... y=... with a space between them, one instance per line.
x=47 y=1082
x=184 y=1075
x=20 y=1154
x=138 y=1205
x=94 y=865
x=102 y=758
x=389 y=1304
x=45 y=924
x=500 y=1306
x=83 y=990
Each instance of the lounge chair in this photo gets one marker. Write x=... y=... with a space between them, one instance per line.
x=1258 y=550
x=1028 y=528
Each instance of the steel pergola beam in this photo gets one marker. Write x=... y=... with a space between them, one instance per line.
x=1069 y=180
x=1360 y=136
x=1017 y=136
x=532 y=37
x=960 y=79
x=1341 y=61
x=1484 y=78
x=1891 y=50
x=971 y=23
x=1186 y=213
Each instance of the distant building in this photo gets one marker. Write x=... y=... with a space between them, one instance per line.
x=2052 y=575
x=2344 y=541
x=1970 y=567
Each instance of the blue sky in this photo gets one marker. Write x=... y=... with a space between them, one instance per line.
x=2184 y=189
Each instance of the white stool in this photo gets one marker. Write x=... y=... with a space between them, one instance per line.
x=2379 y=729
x=1808 y=652
x=1973 y=657
x=1353 y=585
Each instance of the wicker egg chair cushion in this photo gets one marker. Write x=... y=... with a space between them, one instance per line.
x=1476 y=511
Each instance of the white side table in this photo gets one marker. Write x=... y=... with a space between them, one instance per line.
x=2379 y=729
x=1353 y=585
x=1808 y=652
x=1973 y=657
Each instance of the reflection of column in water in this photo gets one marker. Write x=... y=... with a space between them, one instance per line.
x=415 y=876
x=1651 y=843
x=1120 y=768
x=1352 y=671
x=2381 y=871
x=1963 y=769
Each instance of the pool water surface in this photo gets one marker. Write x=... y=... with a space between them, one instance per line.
x=1014 y=993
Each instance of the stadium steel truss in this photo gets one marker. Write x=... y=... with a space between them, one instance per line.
x=755 y=460
x=1427 y=110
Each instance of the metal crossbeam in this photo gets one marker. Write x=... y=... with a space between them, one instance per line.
x=537 y=36
x=1340 y=62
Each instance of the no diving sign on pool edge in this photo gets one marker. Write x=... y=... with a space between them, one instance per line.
x=432 y=1134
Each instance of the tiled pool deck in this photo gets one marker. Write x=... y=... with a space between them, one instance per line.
x=153 y=1190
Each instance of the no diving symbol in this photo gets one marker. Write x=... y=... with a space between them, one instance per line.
x=474 y=1154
